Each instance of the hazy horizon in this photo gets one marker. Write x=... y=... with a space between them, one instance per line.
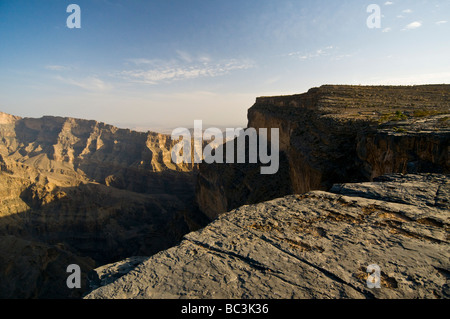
x=165 y=64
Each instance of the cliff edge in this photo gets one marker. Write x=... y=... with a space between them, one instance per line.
x=336 y=134
x=315 y=245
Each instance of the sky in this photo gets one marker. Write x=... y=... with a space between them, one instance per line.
x=159 y=64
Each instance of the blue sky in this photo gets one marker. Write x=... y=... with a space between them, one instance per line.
x=166 y=63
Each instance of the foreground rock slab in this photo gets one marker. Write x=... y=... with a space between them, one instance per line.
x=315 y=245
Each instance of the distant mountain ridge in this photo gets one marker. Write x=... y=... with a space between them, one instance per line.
x=84 y=192
x=88 y=190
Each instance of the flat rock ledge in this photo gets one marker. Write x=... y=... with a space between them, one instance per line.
x=315 y=245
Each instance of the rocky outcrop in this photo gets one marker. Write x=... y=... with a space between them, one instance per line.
x=223 y=187
x=409 y=146
x=83 y=192
x=74 y=190
x=316 y=245
x=336 y=134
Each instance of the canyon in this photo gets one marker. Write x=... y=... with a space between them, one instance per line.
x=335 y=134
x=83 y=192
x=316 y=245
x=363 y=176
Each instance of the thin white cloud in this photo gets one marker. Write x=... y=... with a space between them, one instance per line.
x=330 y=52
x=56 y=67
x=140 y=61
x=311 y=55
x=407 y=11
x=388 y=3
x=186 y=57
x=184 y=68
x=91 y=83
x=204 y=59
x=386 y=30
x=413 y=25
x=441 y=22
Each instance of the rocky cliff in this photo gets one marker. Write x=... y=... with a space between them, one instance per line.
x=334 y=134
x=315 y=245
x=83 y=192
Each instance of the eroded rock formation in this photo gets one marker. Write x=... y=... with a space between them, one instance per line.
x=83 y=192
x=336 y=134
x=314 y=245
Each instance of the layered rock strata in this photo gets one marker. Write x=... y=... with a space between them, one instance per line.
x=335 y=134
x=316 y=245
x=83 y=192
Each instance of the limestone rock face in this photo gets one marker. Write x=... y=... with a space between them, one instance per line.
x=223 y=187
x=315 y=245
x=335 y=134
x=88 y=193
x=85 y=191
